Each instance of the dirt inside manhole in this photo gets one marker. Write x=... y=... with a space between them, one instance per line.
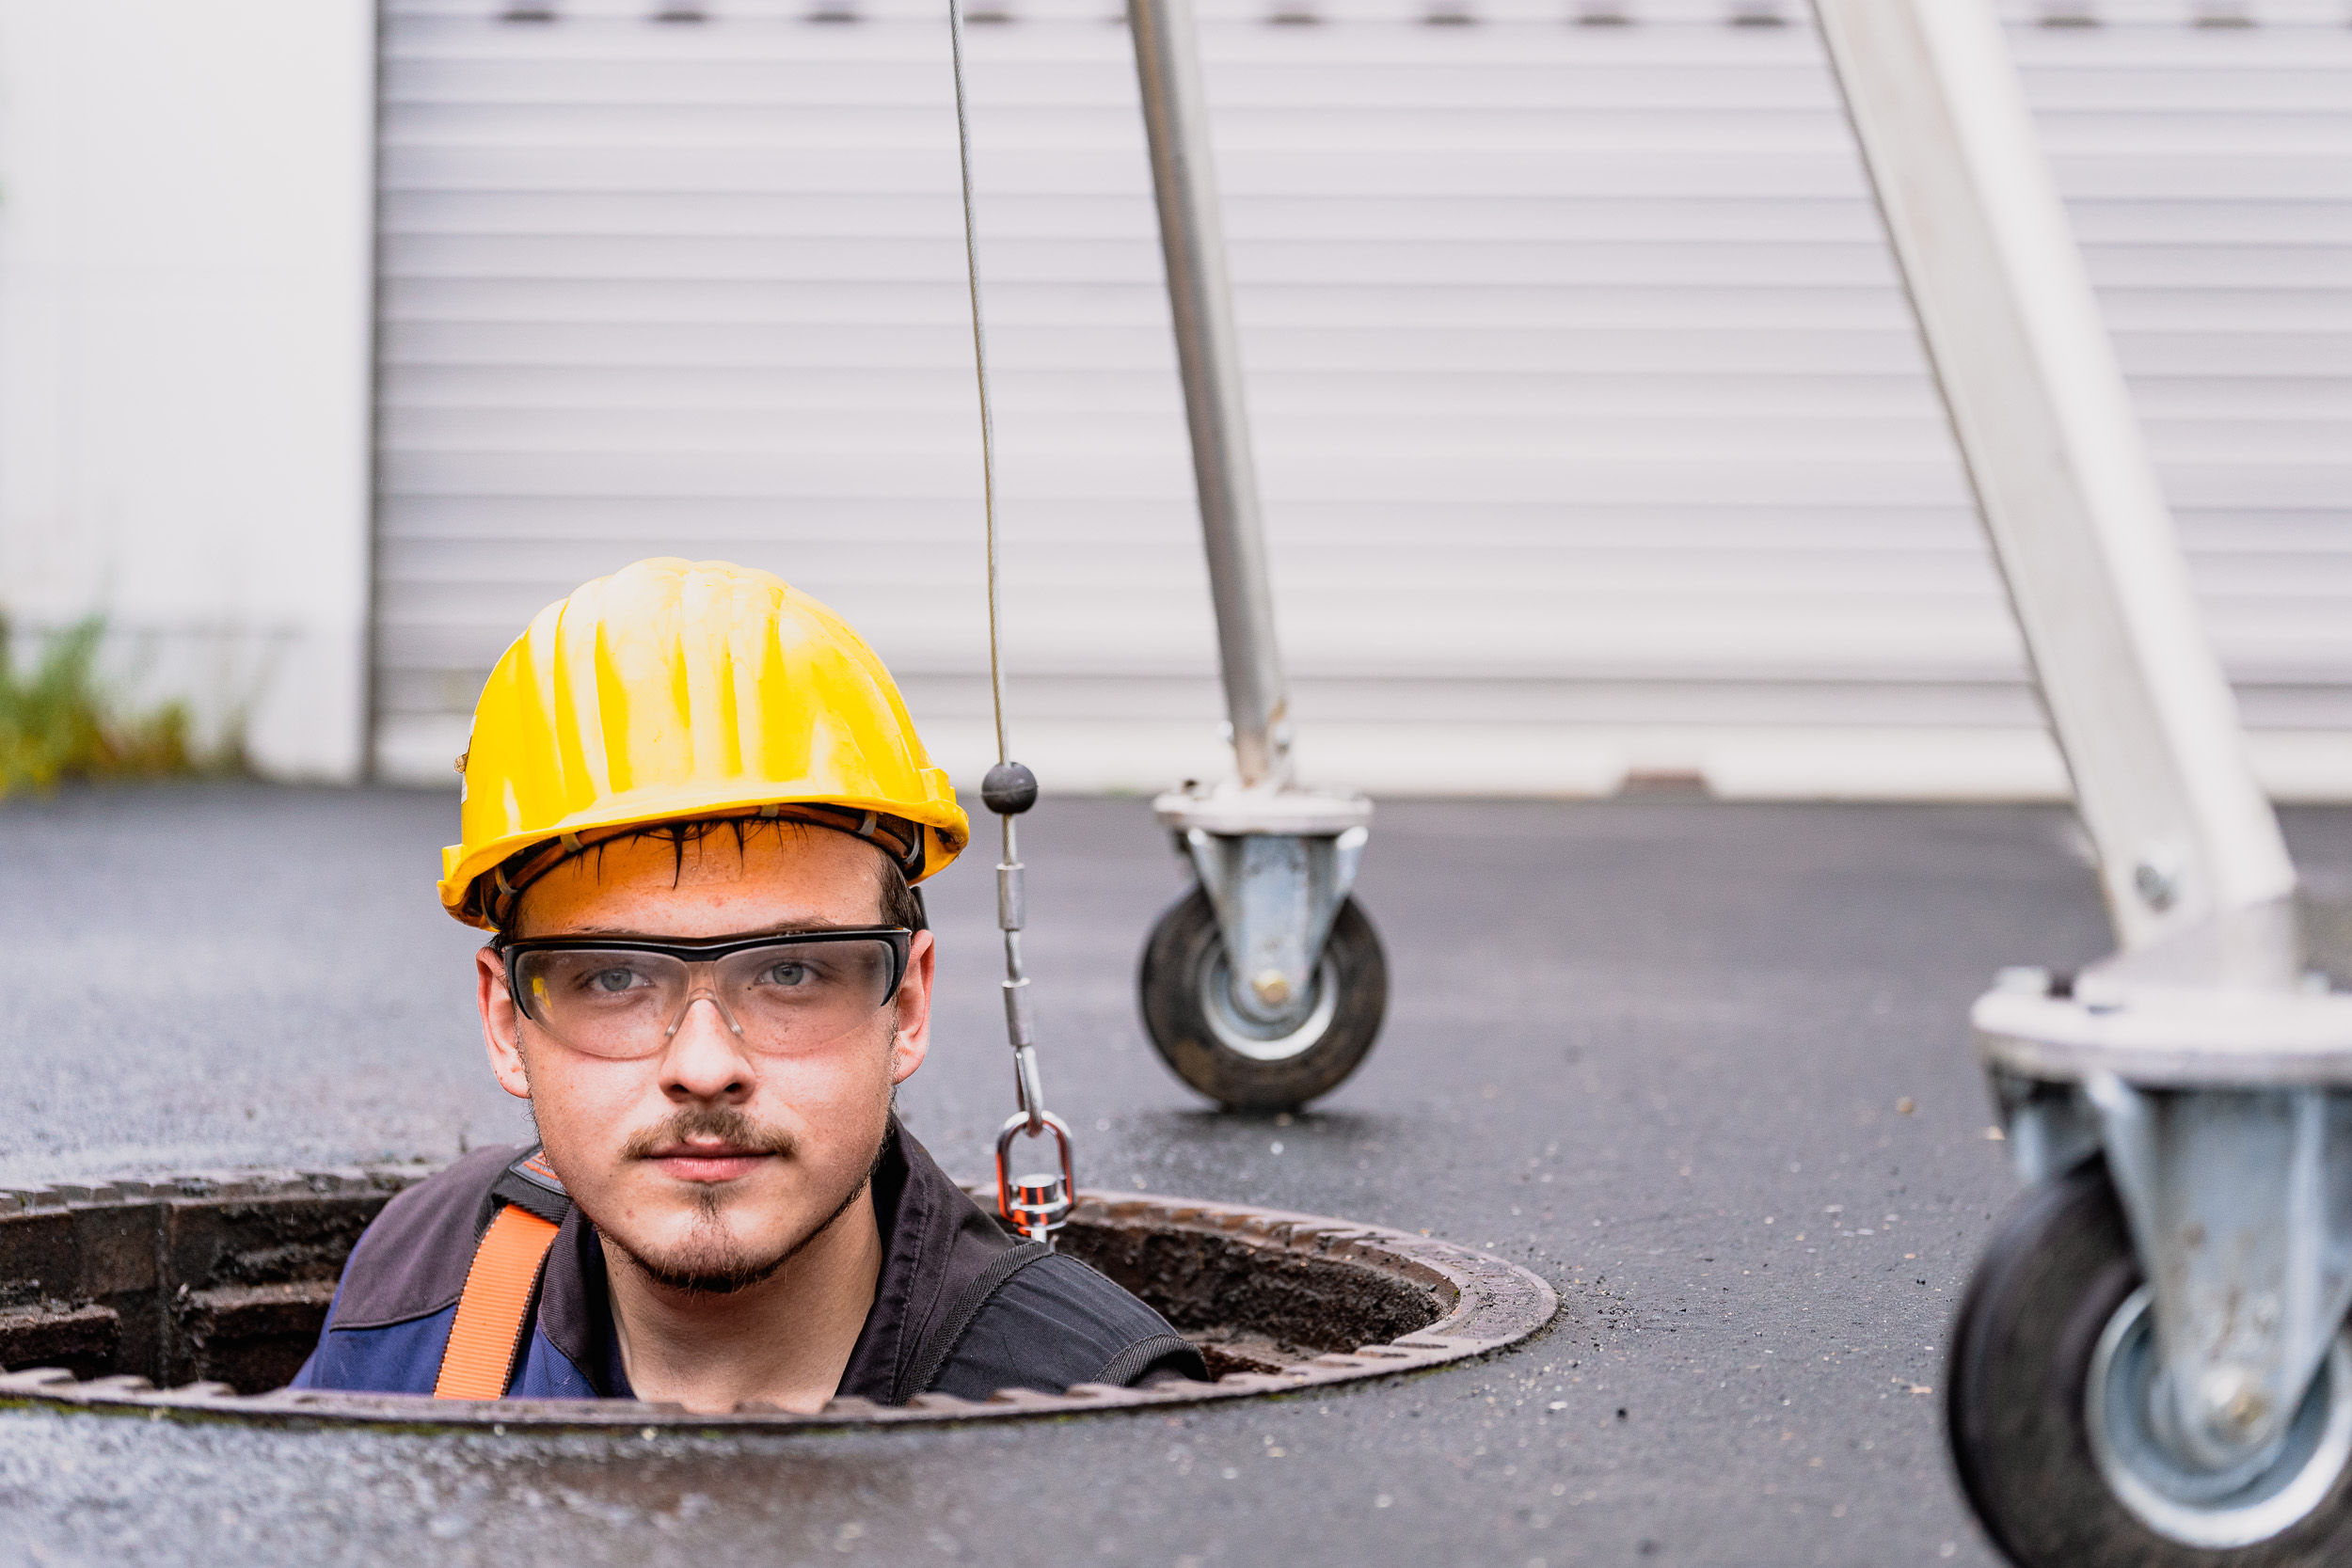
x=205 y=1293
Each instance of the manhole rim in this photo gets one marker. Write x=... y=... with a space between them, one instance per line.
x=1496 y=1304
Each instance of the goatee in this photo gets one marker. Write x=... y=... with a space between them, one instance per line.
x=720 y=1266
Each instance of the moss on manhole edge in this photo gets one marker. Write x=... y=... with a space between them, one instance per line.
x=222 y=1276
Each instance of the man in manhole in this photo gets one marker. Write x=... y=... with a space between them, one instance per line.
x=694 y=808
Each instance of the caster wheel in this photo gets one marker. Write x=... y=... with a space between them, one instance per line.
x=1243 y=1062
x=2052 y=1366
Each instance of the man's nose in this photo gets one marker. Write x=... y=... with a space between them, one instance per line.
x=706 y=1059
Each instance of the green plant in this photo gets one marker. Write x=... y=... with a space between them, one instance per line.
x=59 y=722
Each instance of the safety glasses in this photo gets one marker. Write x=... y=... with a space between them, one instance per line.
x=779 y=992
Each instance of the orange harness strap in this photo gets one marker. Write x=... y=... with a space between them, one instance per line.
x=490 y=1325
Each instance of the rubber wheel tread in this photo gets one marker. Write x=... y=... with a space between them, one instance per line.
x=2053 y=1275
x=1182 y=947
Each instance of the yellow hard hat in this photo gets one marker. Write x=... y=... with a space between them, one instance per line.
x=676 y=691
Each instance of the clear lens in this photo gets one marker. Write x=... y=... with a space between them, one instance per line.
x=788 y=996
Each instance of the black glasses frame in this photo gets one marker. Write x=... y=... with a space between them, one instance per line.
x=901 y=942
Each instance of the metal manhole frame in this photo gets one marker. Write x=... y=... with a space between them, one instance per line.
x=1486 y=1305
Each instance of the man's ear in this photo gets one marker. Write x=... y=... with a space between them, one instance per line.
x=914 y=1041
x=501 y=1025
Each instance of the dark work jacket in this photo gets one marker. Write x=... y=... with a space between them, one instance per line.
x=961 y=1306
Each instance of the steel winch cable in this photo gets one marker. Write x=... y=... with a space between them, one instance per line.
x=1036 y=1205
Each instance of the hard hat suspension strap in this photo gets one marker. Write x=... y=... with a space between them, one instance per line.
x=496 y=892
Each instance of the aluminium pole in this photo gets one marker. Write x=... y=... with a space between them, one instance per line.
x=2134 y=690
x=2196 y=1076
x=1265 y=987
x=1183 y=178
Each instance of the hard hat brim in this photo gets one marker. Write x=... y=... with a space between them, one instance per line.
x=944 y=834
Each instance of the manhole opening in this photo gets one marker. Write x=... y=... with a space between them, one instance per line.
x=223 y=1284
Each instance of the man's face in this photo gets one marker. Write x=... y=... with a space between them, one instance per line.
x=708 y=1161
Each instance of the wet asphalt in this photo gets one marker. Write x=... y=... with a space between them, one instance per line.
x=1659 y=1051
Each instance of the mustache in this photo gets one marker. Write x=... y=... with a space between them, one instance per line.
x=722 y=1122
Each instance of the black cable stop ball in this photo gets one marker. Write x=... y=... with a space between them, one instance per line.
x=1010 y=789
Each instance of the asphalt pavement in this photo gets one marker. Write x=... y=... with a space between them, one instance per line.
x=1702 y=1066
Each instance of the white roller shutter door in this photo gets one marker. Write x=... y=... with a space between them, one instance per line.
x=1594 y=432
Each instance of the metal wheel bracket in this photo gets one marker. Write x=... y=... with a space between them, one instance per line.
x=2240 y=1208
x=2226 y=1117
x=2050 y=1127
x=2165 y=1034
x=1275 y=864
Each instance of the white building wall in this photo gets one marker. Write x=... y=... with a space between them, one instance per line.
x=1595 y=435
x=185 y=199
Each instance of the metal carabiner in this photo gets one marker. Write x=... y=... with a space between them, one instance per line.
x=1036 y=1205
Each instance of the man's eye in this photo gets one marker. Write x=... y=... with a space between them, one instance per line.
x=792 y=973
x=613 y=979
